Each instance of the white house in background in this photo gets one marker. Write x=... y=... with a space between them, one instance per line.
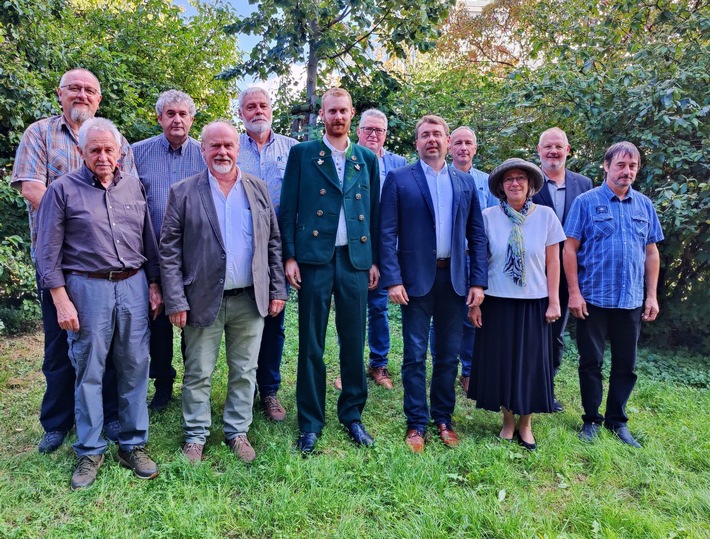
x=474 y=7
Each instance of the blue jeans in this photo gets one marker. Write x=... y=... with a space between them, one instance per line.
x=378 y=328
x=467 y=341
x=112 y=315
x=268 y=373
x=57 y=410
x=443 y=305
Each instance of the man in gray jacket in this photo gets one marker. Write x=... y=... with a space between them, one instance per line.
x=221 y=268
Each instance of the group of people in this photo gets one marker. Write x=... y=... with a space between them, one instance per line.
x=208 y=236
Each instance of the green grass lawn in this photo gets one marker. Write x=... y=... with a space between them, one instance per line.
x=482 y=489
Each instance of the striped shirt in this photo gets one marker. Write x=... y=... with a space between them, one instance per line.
x=269 y=164
x=613 y=235
x=48 y=149
x=159 y=167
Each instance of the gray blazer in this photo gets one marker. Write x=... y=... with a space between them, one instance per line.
x=193 y=256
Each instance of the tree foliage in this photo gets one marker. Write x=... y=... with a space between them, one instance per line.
x=137 y=49
x=334 y=35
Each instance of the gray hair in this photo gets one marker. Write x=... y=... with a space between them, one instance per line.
x=215 y=122
x=172 y=97
x=465 y=128
x=552 y=130
x=250 y=91
x=621 y=148
x=98 y=124
x=373 y=113
x=79 y=70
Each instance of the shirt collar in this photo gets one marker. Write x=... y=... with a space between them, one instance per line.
x=214 y=181
x=429 y=170
x=611 y=195
x=89 y=178
x=168 y=148
x=333 y=149
x=272 y=138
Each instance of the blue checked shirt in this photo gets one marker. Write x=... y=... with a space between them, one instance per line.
x=159 y=167
x=49 y=149
x=613 y=235
x=269 y=165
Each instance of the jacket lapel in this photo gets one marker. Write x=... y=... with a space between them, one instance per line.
x=205 y=191
x=420 y=179
x=457 y=188
x=324 y=164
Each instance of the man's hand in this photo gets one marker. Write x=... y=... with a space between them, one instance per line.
x=577 y=305
x=293 y=274
x=276 y=306
x=67 y=317
x=475 y=296
x=156 y=300
x=475 y=316
x=398 y=294
x=650 y=309
x=374 y=278
x=178 y=319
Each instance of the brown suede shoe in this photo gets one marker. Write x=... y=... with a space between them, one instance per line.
x=85 y=473
x=272 y=408
x=381 y=376
x=193 y=452
x=415 y=440
x=464 y=380
x=338 y=383
x=241 y=447
x=447 y=435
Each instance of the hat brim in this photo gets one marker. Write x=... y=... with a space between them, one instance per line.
x=535 y=176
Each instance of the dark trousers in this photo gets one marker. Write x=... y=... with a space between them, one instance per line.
x=268 y=373
x=558 y=330
x=622 y=326
x=57 y=409
x=468 y=339
x=444 y=305
x=339 y=279
x=161 y=352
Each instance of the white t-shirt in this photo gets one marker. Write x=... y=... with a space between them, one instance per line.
x=541 y=229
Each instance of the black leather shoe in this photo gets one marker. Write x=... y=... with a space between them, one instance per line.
x=623 y=434
x=161 y=399
x=526 y=445
x=589 y=432
x=306 y=442
x=359 y=435
x=556 y=406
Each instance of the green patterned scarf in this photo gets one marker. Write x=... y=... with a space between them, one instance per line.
x=515 y=256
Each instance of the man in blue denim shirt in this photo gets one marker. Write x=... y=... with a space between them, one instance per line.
x=263 y=153
x=609 y=253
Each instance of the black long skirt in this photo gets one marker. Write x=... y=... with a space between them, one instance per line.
x=512 y=359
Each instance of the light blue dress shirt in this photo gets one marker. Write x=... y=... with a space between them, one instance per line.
x=236 y=226
x=442 y=195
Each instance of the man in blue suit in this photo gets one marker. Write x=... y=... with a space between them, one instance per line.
x=429 y=215
x=561 y=187
x=372 y=134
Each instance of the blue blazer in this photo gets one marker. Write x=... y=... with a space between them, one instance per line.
x=393 y=161
x=575 y=185
x=408 y=235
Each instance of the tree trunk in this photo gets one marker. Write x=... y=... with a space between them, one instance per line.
x=312 y=78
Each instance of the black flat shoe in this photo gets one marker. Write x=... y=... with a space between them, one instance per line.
x=359 y=435
x=306 y=442
x=526 y=445
x=623 y=434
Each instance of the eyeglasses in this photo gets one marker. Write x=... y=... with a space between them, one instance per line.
x=77 y=88
x=376 y=130
x=519 y=179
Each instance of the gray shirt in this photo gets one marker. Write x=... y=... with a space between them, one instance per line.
x=91 y=229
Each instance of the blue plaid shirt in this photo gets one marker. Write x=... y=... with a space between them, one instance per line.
x=485 y=197
x=613 y=235
x=159 y=167
x=269 y=165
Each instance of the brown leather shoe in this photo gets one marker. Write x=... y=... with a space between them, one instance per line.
x=447 y=435
x=415 y=440
x=272 y=408
x=338 y=383
x=381 y=376
x=464 y=380
x=241 y=447
x=193 y=452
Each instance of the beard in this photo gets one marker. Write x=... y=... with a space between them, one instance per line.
x=258 y=126
x=222 y=169
x=80 y=116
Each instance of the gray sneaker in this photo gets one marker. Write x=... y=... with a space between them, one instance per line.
x=138 y=461
x=241 y=447
x=86 y=470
